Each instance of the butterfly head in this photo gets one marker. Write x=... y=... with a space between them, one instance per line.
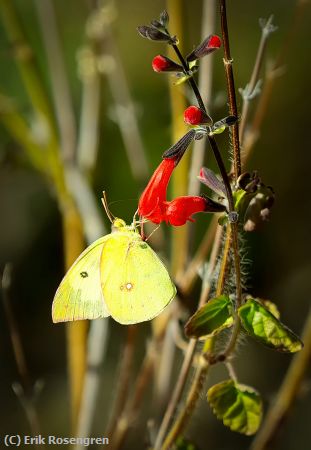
x=118 y=224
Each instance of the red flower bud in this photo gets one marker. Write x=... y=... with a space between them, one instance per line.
x=161 y=63
x=214 y=42
x=196 y=116
x=210 y=44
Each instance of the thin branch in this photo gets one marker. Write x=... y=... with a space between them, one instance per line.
x=26 y=63
x=123 y=381
x=205 y=88
x=233 y=110
x=60 y=85
x=97 y=345
x=191 y=401
x=132 y=408
x=253 y=133
x=191 y=273
x=252 y=89
x=189 y=354
x=87 y=146
x=26 y=392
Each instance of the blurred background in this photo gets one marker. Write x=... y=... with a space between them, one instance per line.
x=117 y=120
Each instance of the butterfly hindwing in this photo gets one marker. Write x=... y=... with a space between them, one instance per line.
x=79 y=295
x=135 y=283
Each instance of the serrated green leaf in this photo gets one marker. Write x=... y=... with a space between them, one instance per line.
x=211 y=318
x=263 y=326
x=237 y=405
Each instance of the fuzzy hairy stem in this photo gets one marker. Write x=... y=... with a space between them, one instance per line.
x=233 y=110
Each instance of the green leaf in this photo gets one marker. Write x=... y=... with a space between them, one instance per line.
x=211 y=318
x=184 y=444
x=218 y=130
x=237 y=405
x=271 y=307
x=263 y=326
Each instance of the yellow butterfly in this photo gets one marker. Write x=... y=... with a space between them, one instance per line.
x=119 y=275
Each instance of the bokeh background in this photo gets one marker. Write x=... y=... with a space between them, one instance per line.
x=31 y=234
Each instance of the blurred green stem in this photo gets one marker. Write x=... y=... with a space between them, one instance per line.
x=72 y=225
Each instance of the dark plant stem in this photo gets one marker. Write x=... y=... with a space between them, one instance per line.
x=211 y=139
x=233 y=110
x=232 y=242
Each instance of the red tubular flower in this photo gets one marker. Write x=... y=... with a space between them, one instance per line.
x=154 y=207
x=179 y=210
x=195 y=116
x=152 y=201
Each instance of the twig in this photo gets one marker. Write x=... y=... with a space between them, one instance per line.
x=192 y=398
x=162 y=386
x=60 y=86
x=122 y=388
x=179 y=182
x=109 y=63
x=88 y=138
x=25 y=391
x=17 y=127
x=287 y=393
x=252 y=134
x=205 y=88
x=97 y=344
x=188 y=357
x=231 y=89
x=252 y=89
x=191 y=273
x=131 y=410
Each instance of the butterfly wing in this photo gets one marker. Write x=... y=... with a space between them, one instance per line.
x=135 y=282
x=79 y=295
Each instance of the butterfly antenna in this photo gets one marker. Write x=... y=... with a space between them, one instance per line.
x=153 y=231
x=108 y=212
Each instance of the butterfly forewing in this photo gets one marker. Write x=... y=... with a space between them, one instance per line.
x=79 y=295
x=135 y=282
